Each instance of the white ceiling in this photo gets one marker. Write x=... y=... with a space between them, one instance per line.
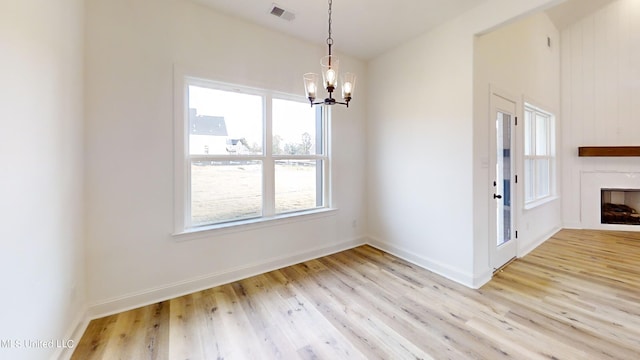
x=367 y=28
x=361 y=28
x=571 y=11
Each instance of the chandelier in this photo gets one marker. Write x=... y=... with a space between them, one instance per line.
x=329 y=65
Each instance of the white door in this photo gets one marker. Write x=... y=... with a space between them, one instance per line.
x=502 y=195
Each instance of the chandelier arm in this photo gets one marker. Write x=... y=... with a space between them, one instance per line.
x=325 y=102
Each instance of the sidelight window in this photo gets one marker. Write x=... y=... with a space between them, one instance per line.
x=539 y=155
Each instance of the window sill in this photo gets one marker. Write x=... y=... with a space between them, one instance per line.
x=251 y=224
x=537 y=203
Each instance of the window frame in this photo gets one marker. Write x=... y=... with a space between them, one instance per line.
x=183 y=229
x=550 y=156
x=321 y=134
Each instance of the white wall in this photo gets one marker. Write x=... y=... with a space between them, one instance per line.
x=600 y=96
x=41 y=181
x=132 y=48
x=516 y=58
x=420 y=146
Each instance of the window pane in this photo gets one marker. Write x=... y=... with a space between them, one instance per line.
x=542 y=178
x=225 y=190
x=224 y=122
x=528 y=133
x=529 y=194
x=542 y=133
x=298 y=185
x=551 y=137
x=295 y=128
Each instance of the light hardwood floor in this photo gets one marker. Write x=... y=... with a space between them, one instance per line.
x=577 y=296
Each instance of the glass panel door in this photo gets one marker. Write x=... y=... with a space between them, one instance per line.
x=503 y=245
x=503 y=177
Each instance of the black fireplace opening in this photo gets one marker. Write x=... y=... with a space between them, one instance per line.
x=620 y=206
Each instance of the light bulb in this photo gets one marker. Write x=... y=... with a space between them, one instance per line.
x=331 y=76
x=311 y=90
x=347 y=88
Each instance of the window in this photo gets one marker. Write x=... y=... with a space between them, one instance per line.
x=248 y=154
x=539 y=155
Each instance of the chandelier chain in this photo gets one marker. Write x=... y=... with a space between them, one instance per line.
x=330 y=39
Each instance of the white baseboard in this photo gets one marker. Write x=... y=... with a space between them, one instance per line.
x=170 y=291
x=154 y=295
x=574 y=226
x=451 y=273
x=522 y=252
x=73 y=336
x=480 y=280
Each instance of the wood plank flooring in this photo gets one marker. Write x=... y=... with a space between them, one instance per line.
x=577 y=296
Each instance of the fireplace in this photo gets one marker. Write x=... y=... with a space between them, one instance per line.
x=620 y=206
x=622 y=189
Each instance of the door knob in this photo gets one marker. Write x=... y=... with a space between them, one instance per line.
x=497 y=196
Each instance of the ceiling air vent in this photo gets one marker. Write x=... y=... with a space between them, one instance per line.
x=282 y=13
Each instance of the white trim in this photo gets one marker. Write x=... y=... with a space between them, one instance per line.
x=268 y=166
x=538 y=105
x=449 y=272
x=327 y=191
x=591 y=183
x=73 y=335
x=525 y=250
x=573 y=226
x=182 y=159
x=534 y=204
x=252 y=224
x=552 y=156
x=170 y=291
x=500 y=255
x=180 y=168
x=180 y=288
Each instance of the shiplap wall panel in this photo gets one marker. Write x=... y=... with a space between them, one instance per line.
x=608 y=125
x=623 y=79
x=569 y=168
x=601 y=77
x=600 y=80
x=632 y=121
x=589 y=78
x=577 y=86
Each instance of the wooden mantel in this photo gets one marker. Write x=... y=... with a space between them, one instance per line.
x=609 y=151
